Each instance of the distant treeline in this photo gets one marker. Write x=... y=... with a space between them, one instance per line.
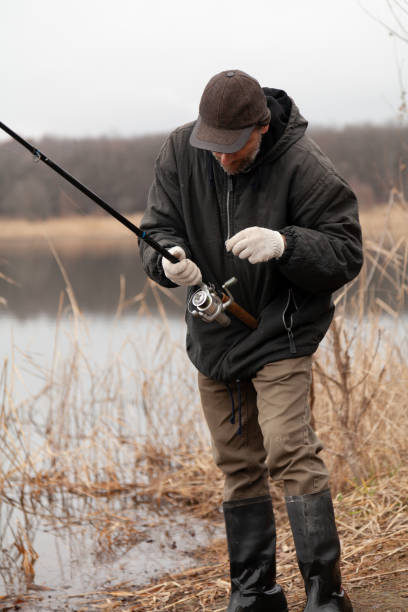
x=372 y=158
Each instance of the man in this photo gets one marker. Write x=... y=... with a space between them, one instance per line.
x=244 y=192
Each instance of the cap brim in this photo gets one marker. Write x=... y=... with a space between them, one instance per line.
x=206 y=137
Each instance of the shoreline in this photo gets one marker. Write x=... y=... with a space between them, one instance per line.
x=102 y=233
x=76 y=234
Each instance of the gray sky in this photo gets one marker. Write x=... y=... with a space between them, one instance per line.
x=126 y=67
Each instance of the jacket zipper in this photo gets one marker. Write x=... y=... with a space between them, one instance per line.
x=229 y=192
x=292 y=345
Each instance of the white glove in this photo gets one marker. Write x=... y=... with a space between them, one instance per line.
x=184 y=273
x=256 y=244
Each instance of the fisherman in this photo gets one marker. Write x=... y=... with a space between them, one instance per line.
x=244 y=192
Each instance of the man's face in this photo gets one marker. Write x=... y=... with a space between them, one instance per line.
x=234 y=163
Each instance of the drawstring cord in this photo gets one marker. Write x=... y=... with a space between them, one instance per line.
x=231 y=394
x=239 y=407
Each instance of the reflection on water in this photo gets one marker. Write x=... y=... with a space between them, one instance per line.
x=95 y=279
x=37 y=347
x=101 y=278
x=73 y=560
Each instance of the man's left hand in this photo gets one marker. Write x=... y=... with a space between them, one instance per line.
x=256 y=244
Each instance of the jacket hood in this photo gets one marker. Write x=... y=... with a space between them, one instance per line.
x=286 y=126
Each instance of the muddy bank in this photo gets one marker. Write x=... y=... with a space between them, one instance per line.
x=72 y=568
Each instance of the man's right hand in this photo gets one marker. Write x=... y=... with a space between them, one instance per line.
x=185 y=272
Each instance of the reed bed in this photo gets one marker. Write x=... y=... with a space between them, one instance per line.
x=373 y=527
x=75 y=234
x=85 y=226
x=94 y=442
x=84 y=232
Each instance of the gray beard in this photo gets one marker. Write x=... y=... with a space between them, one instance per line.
x=246 y=163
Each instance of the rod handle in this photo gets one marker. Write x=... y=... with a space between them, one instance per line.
x=240 y=313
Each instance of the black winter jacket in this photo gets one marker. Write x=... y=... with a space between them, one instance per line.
x=291 y=187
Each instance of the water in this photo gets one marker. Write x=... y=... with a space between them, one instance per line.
x=36 y=345
x=99 y=280
x=72 y=561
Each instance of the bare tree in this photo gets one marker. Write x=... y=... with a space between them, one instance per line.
x=398 y=24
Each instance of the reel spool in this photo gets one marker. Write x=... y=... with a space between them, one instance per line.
x=207 y=304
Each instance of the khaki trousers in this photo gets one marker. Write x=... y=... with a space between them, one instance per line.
x=270 y=435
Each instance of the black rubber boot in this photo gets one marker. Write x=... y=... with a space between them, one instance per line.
x=251 y=536
x=318 y=551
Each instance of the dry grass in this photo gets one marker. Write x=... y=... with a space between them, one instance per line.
x=72 y=453
x=373 y=527
x=87 y=232
x=391 y=216
x=76 y=234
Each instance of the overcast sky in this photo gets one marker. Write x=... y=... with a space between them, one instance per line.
x=128 y=67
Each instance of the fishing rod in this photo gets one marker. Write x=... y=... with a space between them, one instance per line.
x=208 y=303
x=38 y=156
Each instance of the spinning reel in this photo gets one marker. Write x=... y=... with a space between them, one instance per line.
x=209 y=306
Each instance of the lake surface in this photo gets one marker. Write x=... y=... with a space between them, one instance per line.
x=100 y=281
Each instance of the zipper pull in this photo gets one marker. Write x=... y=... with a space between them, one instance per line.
x=292 y=344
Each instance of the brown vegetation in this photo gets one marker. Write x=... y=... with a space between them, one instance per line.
x=373 y=526
x=75 y=234
x=73 y=455
x=385 y=222
x=84 y=233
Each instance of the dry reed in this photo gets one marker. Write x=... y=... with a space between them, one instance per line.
x=75 y=234
x=373 y=527
x=73 y=452
x=86 y=232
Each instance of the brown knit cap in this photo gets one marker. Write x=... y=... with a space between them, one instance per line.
x=232 y=104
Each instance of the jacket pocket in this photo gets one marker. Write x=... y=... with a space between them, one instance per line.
x=287 y=318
